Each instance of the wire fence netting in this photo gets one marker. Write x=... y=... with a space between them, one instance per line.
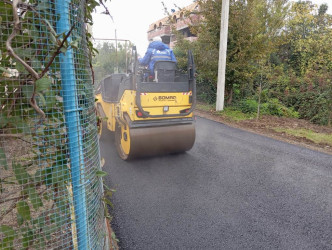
x=50 y=190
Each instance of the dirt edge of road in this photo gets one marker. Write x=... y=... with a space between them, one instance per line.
x=264 y=127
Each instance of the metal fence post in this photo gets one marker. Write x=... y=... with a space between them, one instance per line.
x=73 y=126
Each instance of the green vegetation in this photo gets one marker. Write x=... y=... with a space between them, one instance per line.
x=111 y=59
x=308 y=134
x=205 y=107
x=279 y=57
x=271 y=107
x=229 y=112
x=35 y=190
x=235 y=115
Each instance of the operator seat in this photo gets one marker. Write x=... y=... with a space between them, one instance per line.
x=164 y=71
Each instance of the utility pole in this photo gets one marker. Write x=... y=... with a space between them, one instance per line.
x=222 y=55
x=116 y=70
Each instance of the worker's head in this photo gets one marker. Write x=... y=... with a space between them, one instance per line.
x=157 y=39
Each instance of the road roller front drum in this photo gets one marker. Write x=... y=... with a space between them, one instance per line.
x=151 y=141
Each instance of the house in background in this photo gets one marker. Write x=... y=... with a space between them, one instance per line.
x=179 y=20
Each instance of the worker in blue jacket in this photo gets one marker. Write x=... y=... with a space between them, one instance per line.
x=157 y=51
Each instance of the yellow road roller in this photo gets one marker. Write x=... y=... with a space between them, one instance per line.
x=149 y=116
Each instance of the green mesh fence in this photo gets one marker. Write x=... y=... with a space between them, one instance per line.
x=50 y=192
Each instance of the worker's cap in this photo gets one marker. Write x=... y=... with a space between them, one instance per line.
x=157 y=39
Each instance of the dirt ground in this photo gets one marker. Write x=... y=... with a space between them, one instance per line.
x=265 y=124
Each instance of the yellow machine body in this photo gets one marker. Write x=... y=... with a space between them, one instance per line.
x=154 y=119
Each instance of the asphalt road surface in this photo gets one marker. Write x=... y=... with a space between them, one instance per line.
x=232 y=190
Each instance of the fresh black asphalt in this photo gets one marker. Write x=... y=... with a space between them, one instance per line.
x=232 y=190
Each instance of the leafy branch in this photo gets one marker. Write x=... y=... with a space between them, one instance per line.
x=57 y=52
x=14 y=204
x=16 y=29
x=33 y=73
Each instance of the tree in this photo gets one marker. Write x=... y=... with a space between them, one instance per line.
x=307 y=54
x=284 y=45
x=108 y=59
x=254 y=28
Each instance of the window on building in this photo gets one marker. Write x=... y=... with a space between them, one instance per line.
x=186 y=32
x=166 y=39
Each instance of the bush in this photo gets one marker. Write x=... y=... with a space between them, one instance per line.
x=314 y=107
x=274 y=107
x=206 y=91
x=248 y=106
x=271 y=107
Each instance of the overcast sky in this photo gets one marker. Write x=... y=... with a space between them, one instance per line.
x=133 y=17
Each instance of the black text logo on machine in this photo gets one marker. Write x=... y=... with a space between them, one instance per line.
x=164 y=98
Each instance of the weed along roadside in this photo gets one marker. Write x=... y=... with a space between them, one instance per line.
x=291 y=130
